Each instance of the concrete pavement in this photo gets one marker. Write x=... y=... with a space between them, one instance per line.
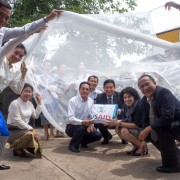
x=96 y=163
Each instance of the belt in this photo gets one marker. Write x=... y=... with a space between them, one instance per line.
x=10 y=127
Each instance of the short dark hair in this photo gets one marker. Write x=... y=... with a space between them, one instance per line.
x=5 y=4
x=21 y=46
x=27 y=85
x=84 y=82
x=146 y=75
x=93 y=76
x=130 y=90
x=109 y=81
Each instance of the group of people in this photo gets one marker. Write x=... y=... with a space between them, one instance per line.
x=154 y=118
x=12 y=52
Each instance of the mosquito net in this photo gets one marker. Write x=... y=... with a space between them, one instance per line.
x=75 y=46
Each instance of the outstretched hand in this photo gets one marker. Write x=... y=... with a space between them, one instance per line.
x=53 y=14
x=170 y=4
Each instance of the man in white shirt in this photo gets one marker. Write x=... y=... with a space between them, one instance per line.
x=79 y=123
x=93 y=81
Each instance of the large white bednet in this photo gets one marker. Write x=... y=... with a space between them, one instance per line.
x=74 y=46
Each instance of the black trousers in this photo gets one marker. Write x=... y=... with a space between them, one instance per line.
x=104 y=130
x=170 y=154
x=80 y=135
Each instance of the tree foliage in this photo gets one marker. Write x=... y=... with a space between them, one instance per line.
x=25 y=11
x=28 y=10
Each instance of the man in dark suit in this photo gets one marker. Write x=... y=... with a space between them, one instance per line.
x=161 y=122
x=110 y=96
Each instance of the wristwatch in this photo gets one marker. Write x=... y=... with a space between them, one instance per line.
x=45 y=19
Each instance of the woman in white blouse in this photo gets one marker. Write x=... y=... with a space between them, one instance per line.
x=23 y=136
x=11 y=53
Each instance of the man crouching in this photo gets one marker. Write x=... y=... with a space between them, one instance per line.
x=79 y=125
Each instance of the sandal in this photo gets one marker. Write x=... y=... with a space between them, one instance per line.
x=131 y=151
x=136 y=154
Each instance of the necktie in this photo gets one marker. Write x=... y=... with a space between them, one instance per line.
x=151 y=119
x=109 y=100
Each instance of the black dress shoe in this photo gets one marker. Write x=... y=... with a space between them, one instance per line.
x=110 y=136
x=106 y=141
x=164 y=169
x=73 y=149
x=19 y=154
x=84 y=146
x=4 y=167
x=124 y=141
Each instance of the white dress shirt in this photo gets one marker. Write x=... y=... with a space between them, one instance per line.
x=20 y=113
x=93 y=95
x=79 y=110
x=8 y=77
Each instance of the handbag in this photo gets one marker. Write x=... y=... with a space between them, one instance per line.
x=3 y=128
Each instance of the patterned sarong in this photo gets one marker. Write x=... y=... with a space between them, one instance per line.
x=27 y=141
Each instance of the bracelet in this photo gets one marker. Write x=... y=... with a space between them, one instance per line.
x=120 y=124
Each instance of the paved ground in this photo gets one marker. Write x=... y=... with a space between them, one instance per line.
x=95 y=163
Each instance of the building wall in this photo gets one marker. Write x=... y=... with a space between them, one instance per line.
x=171 y=35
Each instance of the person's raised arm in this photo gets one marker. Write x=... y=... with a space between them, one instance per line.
x=9 y=46
x=36 y=112
x=17 y=84
x=52 y=15
x=32 y=27
x=170 y=4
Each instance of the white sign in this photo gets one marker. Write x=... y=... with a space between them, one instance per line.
x=101 y=113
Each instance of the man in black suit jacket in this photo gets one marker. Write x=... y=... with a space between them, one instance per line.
x=110 y=96
x=161 y=122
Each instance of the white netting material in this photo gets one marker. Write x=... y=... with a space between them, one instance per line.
x=75 y=46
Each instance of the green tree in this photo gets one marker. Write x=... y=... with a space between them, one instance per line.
x=27 y=10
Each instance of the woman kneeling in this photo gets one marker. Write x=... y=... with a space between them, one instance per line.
x=128 y=128
x=23 y=138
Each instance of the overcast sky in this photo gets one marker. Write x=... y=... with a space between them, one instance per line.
x=162 y=19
